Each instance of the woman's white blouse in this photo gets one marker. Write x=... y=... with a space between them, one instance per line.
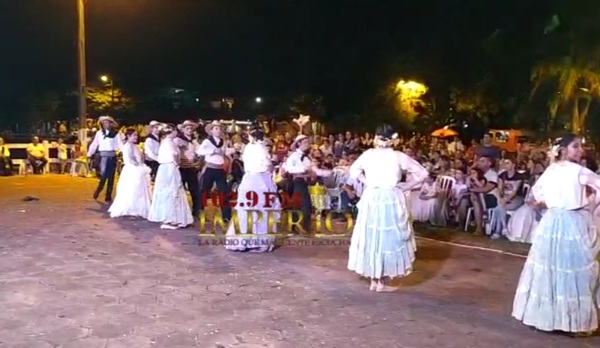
x=561 y=186
x=132 y=155
x=256 y=158
x=383 y=168
x=168 y=151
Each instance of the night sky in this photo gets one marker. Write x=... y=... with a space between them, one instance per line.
x=342 y=49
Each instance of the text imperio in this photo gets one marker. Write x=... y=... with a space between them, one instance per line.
x=274 y=223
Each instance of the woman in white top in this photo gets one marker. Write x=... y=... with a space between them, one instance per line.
x=169 y=200
x=133 y=188
x=558 y=288
x=257 y=195
x=383 y=244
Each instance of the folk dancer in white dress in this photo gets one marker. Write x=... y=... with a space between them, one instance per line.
x=106 y=142
x=216 y=156
x=299 y=166
x=383 y=244
x=257 y=192
x=151 y=146
x=559 y=289
x=189 y=162
x=169 y=199
x=133 y=188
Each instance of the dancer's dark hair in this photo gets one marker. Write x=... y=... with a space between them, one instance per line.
x=385 y=132
x=129 y=132
x=257 y=132
x=563 y=142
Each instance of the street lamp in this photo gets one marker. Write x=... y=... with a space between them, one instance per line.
x=259 y=100
x=109 y=83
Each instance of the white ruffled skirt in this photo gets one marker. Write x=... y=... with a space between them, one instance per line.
x=255 y=189
x=169 y=200
x=133 y=192
x=383 y=242
x=558 y=288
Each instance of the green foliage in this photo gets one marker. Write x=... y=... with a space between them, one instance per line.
x=107 y=99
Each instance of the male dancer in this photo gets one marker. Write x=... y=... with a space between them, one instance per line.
x=214 y=151
x=107 y=142
x=189 y=164
x=299 y=166
x=151 y=146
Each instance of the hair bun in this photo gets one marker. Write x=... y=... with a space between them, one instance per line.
x=385 y=131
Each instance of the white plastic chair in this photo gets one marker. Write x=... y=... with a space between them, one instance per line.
x=487 y=217
x=334 y=191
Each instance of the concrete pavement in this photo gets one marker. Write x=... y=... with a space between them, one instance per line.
x=72 y=277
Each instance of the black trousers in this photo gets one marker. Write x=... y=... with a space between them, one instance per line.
x=153 y=168
x=214 y=176
x=300 y=188
x=108 y=166
x=37 y=164
x=5 y=166
x=189 y=177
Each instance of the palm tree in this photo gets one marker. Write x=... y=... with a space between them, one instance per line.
x=576 y=84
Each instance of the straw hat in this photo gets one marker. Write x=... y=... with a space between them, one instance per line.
x=298 y=139
x=188 y=123
x=209 y=127
x=102 y=119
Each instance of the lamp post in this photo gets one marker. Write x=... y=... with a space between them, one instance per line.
x=82 y=72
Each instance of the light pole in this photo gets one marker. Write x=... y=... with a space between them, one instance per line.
x=82 y=72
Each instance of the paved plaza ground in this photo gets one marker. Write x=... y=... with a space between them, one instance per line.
x=72 y=277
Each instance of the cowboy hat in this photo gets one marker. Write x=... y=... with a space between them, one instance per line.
x=154 y=124
x=298 y=139
x=107 y=118
x=209 y=127
x=187 y=123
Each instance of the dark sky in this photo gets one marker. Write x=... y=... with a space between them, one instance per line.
x=339 y=48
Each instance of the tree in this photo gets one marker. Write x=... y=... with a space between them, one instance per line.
x=473 y=102
x=307 y=104
x=571 y=69
x=107 y=99
x=576 y=84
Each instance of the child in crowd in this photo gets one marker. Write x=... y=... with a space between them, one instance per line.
x=423 y=208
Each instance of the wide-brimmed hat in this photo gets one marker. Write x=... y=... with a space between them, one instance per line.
x=109 y=119
x=298 y=139
x=154 y=124
x=188 y=123
x=209 y=127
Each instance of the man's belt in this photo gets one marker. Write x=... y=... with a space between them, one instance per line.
x=300 y=177
x=108 y=153
x=214 y=165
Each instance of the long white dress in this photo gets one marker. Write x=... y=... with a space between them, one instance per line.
x=257 y=194
x=423 y=210
x=559 y=288
x=133 y=188
x=383 y=242
x=169 y=200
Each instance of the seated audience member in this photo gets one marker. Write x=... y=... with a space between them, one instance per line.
x=510 y=190
x=486 y=184
x=5 y=161
x=36 y=154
